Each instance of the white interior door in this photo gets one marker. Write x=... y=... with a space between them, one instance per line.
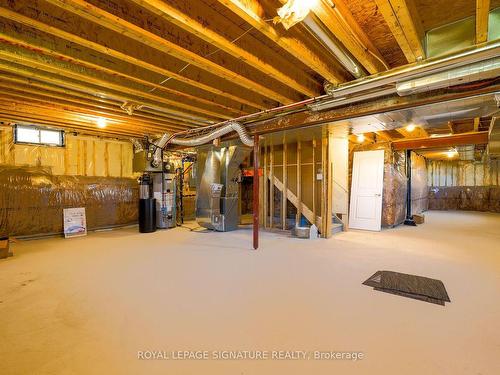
x=366 y=190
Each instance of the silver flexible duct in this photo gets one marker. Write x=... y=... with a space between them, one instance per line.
x=217 y=133
x=137 y=145
x=160 y=143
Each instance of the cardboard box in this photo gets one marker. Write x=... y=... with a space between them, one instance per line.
x=419 y=219
x=4 y=248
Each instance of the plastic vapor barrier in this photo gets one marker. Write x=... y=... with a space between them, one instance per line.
x=467 y=198
x=32 y=200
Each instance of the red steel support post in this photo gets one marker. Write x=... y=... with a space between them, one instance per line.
x=256 y=151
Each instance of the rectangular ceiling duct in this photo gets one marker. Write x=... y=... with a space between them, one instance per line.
x=458 y=76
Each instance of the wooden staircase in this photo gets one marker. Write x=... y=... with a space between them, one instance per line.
x=337 y=225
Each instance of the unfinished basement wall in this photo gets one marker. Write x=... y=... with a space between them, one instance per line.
x=38 y=182
x=464 y=185
x=395 y=182
x=81 y=155
x=293 y=183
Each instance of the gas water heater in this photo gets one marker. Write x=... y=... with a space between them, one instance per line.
x=157 y=189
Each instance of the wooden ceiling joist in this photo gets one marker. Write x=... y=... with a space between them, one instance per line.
x=341 y=23
x=418 y=132
x=48 y=75
x=86 y=110
x=127 y=54
x=77 y=119
x=447 y=141
x=48 y=97
x=384 y=136
x=161 y=43
x=30 y=38
x=16 y=116
x=252 y=12
x=106 y=83
x=152 y=65
x=31 y=87
x=292 y=78
x=482 y=15
x=148 y=86
x=404 y=22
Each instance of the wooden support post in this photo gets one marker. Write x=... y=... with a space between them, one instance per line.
x=327 y=195
x=266 y=195
x=261 y=191
x=271 y=186
x=314 y=180
x=299 y=182
x=285 y=187
x=324 y=198
x=256 y=192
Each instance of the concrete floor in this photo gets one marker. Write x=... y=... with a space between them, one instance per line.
x=88 y=305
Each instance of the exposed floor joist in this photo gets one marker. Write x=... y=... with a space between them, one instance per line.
x=291 y=78
x=482 y=15
x=120 y=25
x=189 y=64
x=405 y=25
x=451 y=140
x=127 y=55
x=252 y=13
x=340 y=22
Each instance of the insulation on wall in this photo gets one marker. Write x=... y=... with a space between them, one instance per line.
x=38 y=182
x=81 y=155
x=32 y=200
x=419 y=184
x=464 y=185
x=463 y=173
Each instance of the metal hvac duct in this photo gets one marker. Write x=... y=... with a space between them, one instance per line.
x=167 y=138
x=217 y=186
x=334 y=47
x=217 y=133
x=430 y=66
x=465 y=74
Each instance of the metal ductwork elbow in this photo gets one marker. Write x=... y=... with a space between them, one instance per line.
x=160 y=143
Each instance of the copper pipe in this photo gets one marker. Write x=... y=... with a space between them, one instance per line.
x=256 y=192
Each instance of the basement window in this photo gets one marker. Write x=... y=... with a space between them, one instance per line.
x=37 y=135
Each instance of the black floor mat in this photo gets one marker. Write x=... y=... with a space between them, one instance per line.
x=411 y=286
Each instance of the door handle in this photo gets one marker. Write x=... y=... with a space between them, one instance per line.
x=378 y=195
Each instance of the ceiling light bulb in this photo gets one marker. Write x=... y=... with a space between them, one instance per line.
x=101 y=122
x=295 y=11
x=410 y=127
x=361 y=138
x=450 y=154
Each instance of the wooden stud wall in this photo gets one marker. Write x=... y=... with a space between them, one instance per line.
x=293 y=166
